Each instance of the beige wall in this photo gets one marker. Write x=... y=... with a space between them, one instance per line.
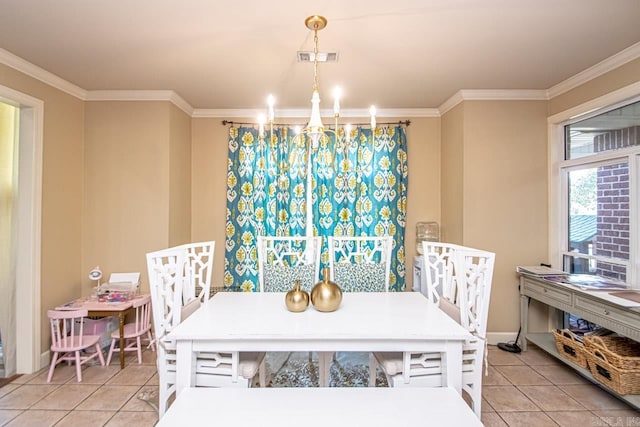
x=126 y=209
x=179 y=177
x=423 y=193
x=505 y=194
x=452 y=172
x=62 y=182
x=208 y=187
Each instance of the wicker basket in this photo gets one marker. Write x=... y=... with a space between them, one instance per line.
x=621 y=352
x=622 y=381
x=569 y=347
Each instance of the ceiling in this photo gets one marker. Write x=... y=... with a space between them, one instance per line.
x=223 y=54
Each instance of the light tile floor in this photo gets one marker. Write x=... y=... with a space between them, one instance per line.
x=535 y=389
x=529 y=389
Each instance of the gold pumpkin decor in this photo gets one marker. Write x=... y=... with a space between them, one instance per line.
x=296 y=299
x=326 y=295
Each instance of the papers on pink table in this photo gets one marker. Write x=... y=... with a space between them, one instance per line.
x=95 y=305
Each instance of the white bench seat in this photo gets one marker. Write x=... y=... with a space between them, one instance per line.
x=354 y=406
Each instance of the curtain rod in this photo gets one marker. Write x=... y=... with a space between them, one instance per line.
x=232 y=123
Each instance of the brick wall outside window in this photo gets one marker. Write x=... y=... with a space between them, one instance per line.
x=612 y=233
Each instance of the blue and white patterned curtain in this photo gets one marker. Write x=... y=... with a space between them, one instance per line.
x=364 y=194
x=368 y=197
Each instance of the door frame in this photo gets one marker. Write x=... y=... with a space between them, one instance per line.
x=28 y=259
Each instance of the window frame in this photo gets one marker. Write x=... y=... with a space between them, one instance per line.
x=595 y=161
x=558 y=171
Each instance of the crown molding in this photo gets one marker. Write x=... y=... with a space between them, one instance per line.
x=614 y=61
x=181 y=103
x=492 y=95
x=9 y=59
x=629 y=54
x=299 y=113
x=391 y=112
x=454 y=100
x=504 y=94
x=140 y=95
x=229 y=113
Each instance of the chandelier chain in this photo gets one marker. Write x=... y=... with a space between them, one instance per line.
x=315 y=59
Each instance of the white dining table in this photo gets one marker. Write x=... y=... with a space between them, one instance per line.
x=371 y=321
x=320 y=407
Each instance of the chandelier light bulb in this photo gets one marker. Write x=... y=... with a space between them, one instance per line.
x=347 y=132
x=337 y=93
x=372 y=112
x=271 y=102
x=261 y=125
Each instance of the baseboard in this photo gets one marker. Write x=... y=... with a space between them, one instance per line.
x=493 y=338
x=44 y=359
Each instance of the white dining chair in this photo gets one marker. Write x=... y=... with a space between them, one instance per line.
x=198 y=270
x=459 y=281
x=361 y=264
x=168 y=270
x=284 y=259
x=358 y=264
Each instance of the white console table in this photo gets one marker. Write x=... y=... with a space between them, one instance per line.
x=617 y=314
x=419 y=282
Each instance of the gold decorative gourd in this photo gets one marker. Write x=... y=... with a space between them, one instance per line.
x=296 y=299
x=326 y=295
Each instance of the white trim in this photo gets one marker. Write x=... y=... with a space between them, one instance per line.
x=140 y=95
x=237 y=113
x=403 y=112
x=611 y=63
x=454 y=100
x=28 y=262
x=555 y=191
x=9 y=59
x=300 y=113
x=504 y=94
x=492 y=95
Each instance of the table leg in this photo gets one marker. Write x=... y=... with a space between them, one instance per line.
x=524 y=321
x=185 y=366
x=121 y=326
x=324 y=367
x=453 y=365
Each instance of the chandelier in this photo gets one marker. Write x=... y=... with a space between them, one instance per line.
x=325 y=142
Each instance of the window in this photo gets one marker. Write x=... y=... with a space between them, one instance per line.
x=599 y=178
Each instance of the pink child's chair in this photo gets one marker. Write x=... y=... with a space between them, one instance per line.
x=68 y=340
x=133 y=332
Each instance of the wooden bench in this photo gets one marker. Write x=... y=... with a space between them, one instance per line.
x=354 y=406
